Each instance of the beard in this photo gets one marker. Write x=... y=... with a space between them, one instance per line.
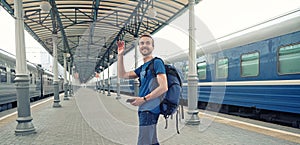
x=145 y=51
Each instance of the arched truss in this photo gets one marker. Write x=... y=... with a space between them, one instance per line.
x=89 y=29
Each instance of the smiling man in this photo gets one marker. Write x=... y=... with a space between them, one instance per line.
x=151 y=89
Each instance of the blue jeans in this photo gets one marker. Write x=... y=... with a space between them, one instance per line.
x=147 y=128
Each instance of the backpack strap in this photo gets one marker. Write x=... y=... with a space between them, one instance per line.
x=177 y=119
x=177 y=116
x=151 y=66
x=173 y=71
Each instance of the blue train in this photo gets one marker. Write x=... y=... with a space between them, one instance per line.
x=254 y=79
x=254 y=72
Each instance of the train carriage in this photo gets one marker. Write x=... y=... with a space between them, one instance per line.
x=261 y=75
x=40 y=81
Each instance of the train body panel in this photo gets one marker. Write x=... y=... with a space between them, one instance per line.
x=268 y=88
x=275 y=98
x=40 y=81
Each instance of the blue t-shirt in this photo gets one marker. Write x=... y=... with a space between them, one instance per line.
x=149 y=83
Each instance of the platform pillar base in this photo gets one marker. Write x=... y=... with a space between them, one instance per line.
x=194 y=118
x=25 y=126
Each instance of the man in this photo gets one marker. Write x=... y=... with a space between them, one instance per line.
x=151 y=89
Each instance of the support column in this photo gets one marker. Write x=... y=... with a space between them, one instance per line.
x=66 y=83
x=8 y=75
x=136 y=81
x=108 y=80
x=71 y=80
x=97 y=82
x=24 y=126
x=192 y=76
x=103 y=83
x=118 y=83
x=69 y=76
x=55 y=71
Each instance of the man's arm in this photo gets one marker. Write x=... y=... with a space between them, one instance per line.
x=121 y=69
x=162 y=88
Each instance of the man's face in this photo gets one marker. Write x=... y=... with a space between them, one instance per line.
x=146 y=46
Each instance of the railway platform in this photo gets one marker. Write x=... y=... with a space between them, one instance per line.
x=93 y=118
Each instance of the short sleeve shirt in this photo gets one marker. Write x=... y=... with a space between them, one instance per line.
x=148 y=82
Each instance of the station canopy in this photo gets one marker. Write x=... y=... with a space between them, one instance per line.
x=87 y=30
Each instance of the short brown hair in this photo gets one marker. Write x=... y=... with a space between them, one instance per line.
x=149 y=36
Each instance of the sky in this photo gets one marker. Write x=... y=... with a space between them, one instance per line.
x=221 y=17
x=225 y=16
x=7 y=39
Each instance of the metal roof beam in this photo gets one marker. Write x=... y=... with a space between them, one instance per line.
x=174 y=16
x=132 y=25
x=34 y=35
x=96 y=4
x=42 y=27
x=62 y=30
x=140 y=20
x=134 y=16
x=84 y=13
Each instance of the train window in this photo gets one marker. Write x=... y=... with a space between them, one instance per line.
x=3 y=75
x=30 y=78
x=222 y=68
x=13 y=75
x=201 y=70
x=185 y=71
x=250 y=64
x=289 y=58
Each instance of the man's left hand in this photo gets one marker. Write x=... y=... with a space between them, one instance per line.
x=138 y=101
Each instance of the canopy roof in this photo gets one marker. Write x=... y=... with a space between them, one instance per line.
x=88 y=29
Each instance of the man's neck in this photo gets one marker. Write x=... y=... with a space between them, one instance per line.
x=147 y=58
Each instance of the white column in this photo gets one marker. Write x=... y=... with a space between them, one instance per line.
x=55 y=71
x=103 y=83
x=108 y=80
x=192 y=76
x=136 y=81
x=70 y=82
x=8 y=75
x=24 y=126
x=118 y=83
x=66 y=83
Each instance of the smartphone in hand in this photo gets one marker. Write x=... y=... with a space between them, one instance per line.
x=130 y=100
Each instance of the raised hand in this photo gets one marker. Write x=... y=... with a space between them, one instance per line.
x=121 y=47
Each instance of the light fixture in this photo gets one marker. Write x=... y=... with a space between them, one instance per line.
x=111 y=56
x=151 y=11
x=45 y=6
x=68 y=55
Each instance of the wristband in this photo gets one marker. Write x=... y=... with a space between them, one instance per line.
x=145 y=99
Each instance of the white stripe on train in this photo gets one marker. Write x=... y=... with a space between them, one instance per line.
x=250 y=83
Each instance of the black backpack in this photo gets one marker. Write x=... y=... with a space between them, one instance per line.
x=170 y=102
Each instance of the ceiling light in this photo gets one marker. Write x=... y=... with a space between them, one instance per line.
x=67 y=55
x=45 y=6
x=111 y=56
x=152 y=12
